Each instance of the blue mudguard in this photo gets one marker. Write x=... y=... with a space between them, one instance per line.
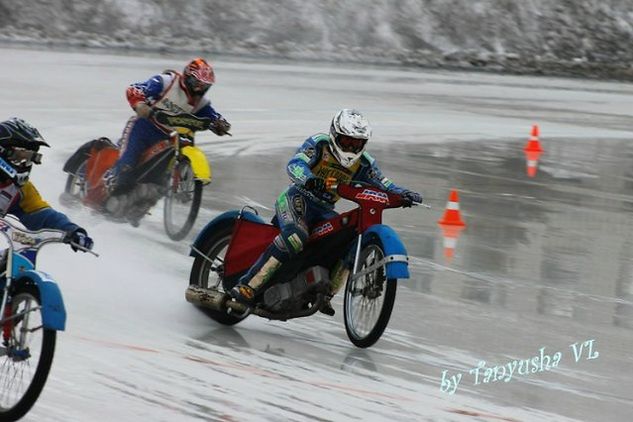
x=220 y=221
x=53 y=311
x=393 y=247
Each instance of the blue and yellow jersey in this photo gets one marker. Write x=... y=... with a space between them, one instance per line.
x=27 y=205
x=314 y=159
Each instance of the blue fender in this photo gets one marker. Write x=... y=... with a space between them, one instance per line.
x=392 y=246
x=218 y=222
x=53 y=310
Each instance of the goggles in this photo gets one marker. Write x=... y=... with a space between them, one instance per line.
x=23 y=156
x=349 y=144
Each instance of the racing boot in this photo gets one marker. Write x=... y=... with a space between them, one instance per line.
x=339 y=277
x=253 y=281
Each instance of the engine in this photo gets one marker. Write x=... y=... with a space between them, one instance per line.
x=289 y=295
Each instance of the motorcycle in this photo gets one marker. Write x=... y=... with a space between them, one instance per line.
x=173 y=168
x=31 y=313
x=231 y=243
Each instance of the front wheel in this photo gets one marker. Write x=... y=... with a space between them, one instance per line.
x=182 y=201
x=369 y=298
x=207 y=271
x=26 y=354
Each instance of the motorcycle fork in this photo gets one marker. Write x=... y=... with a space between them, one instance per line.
x=175 y=179
x=357 y=255
x=176 y=176
x=8 y=323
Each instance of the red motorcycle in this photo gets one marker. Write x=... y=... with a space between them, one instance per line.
x=231 y=243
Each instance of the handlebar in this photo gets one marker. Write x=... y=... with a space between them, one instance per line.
x=21 y=239
x=83 y=249
x=186 y=120
x=334 y=186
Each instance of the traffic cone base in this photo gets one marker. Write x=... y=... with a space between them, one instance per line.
x=450 y=235
x=532 y=157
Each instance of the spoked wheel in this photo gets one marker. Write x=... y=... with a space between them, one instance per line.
x=76 y=186
x=369 y=298
x=182 y=201
x=208 y=270
x=26 y=354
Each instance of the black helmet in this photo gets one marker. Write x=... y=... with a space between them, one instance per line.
x=19 y=146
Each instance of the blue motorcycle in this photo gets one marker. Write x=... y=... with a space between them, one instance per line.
x=32 y=311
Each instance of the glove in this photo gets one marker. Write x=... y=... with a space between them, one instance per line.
x=409 y=198
x=81 y=238
x=315 y=184
x=220 y=126
x=143 y=110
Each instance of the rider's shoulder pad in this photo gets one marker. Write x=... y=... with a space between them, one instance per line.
x=367 y=159
x=31 y=199
x=320 y=137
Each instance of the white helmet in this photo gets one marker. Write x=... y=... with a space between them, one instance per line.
x=349 y=133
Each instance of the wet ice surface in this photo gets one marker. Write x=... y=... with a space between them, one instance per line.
x=544 y=262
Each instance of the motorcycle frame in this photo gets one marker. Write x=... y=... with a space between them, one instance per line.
x=372 y=202
x=199 y=163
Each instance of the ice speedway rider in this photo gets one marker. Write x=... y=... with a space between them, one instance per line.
x=321 y=160
x=19 y=150
x=169 y=91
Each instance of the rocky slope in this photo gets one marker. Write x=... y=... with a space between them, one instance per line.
x=578 y=37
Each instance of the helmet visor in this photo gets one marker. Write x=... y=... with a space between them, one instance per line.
x=197 y=86
x=21 y=156
x=349 y=144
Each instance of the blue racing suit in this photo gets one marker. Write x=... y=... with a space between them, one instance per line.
x=297 y=209
x=162 y=92
x=28 y=206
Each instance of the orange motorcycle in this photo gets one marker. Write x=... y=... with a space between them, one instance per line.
x=173 y=168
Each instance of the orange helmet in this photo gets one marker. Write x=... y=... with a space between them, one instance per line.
x=198 y=76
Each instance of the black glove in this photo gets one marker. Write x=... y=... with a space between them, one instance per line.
x=409 y=198
x=80 y=237
x=220 y=126
x=315 y=184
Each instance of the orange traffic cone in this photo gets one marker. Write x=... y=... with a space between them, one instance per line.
x=451 y=214
x=450 y=234
x=533 y=144
x=533 y=151
x=451 y=224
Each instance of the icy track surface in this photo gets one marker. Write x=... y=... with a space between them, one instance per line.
x=544 y=262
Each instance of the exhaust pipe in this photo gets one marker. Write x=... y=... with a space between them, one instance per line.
x=211 y=299
x=221 y=302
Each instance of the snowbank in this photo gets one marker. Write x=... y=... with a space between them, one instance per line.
x=581 y=37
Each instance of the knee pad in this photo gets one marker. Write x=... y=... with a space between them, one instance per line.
x=290 y=241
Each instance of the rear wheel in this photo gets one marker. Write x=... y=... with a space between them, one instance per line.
x=76 y=186
x=207 y=271
x=369 y=298
x=26 y=354
x=182 y=201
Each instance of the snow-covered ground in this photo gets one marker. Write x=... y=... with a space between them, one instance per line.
x=524 y=277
